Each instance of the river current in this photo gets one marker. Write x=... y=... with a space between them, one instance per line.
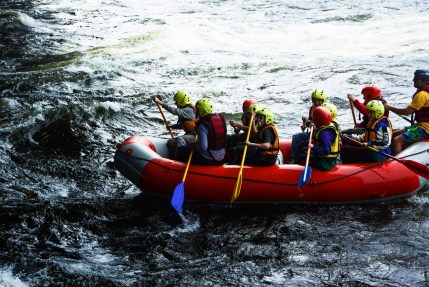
x=78 y=76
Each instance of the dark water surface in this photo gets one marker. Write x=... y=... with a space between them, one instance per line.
x=77 y=77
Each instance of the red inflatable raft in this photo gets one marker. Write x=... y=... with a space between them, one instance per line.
x=144 y=162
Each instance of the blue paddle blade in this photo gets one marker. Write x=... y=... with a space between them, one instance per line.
x=178 y=197
x=305 y=176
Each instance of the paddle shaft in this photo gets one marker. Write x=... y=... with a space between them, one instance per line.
x=371 y=148
x=353 y=112
x=417 y=167
x=237 y=188
x=405 y=118
x=165 y=120
x=179 y=192
x=307 y=161
x=189 y=161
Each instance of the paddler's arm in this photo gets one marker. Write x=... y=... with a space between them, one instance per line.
x=400 y=111
x=263 y=146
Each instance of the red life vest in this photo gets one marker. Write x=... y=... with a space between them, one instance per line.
x=422 y=115
x=216 y=126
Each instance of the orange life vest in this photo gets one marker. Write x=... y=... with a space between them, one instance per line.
x=273 y=150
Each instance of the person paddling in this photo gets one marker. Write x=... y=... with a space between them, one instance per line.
x=266 y=144
x=318 y=97
x=209 y=149
x=325 y=146
x=378 y=134
x=369 y=93
x=240 y=129
x=187 y=118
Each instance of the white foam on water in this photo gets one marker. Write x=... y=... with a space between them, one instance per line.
x=188 y=225
x=7 y=279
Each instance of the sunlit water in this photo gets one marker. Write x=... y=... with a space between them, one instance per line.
x=76 y=77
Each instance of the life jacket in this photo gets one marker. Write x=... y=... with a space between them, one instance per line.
x=337 y=126
x=365 y=117
x=217 y=130
x=422 y=115
x=245 y=120
x=370 y=133
x=189 y=125
x=274 y=148
x=335 y=147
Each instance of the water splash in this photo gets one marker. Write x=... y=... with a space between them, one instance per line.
x=7 y=279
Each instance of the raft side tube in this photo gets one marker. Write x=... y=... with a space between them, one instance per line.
x=131 y=158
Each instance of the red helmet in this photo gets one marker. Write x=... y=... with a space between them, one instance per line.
x=322 y=116
x=371 y=93
x=248 y=103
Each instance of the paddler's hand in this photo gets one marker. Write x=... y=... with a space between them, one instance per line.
x=304 y=121
x=233 y=123
x=351 y=97
x=156 y=100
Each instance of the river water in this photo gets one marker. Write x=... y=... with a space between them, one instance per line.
x=77 y=77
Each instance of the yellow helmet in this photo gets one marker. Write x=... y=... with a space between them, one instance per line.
x=332 y=108
x=319 y=94
x=204 y=107
x=253 y=108
x=182 y=98
x=269 y=116
x=377 y=107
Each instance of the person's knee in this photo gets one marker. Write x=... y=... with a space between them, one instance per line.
x=399 y=140
x=398 y=144
x=398 y=133
x=172 y=144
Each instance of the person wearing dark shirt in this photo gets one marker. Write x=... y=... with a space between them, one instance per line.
x=267 y=141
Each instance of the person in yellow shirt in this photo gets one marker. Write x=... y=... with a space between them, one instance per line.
x=420 y=107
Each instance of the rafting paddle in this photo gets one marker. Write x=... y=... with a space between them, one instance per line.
x=353 y=112
x=179 y=191
x=237 y=188
x=415 y=166
x=165 y=121
x=306 y=174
